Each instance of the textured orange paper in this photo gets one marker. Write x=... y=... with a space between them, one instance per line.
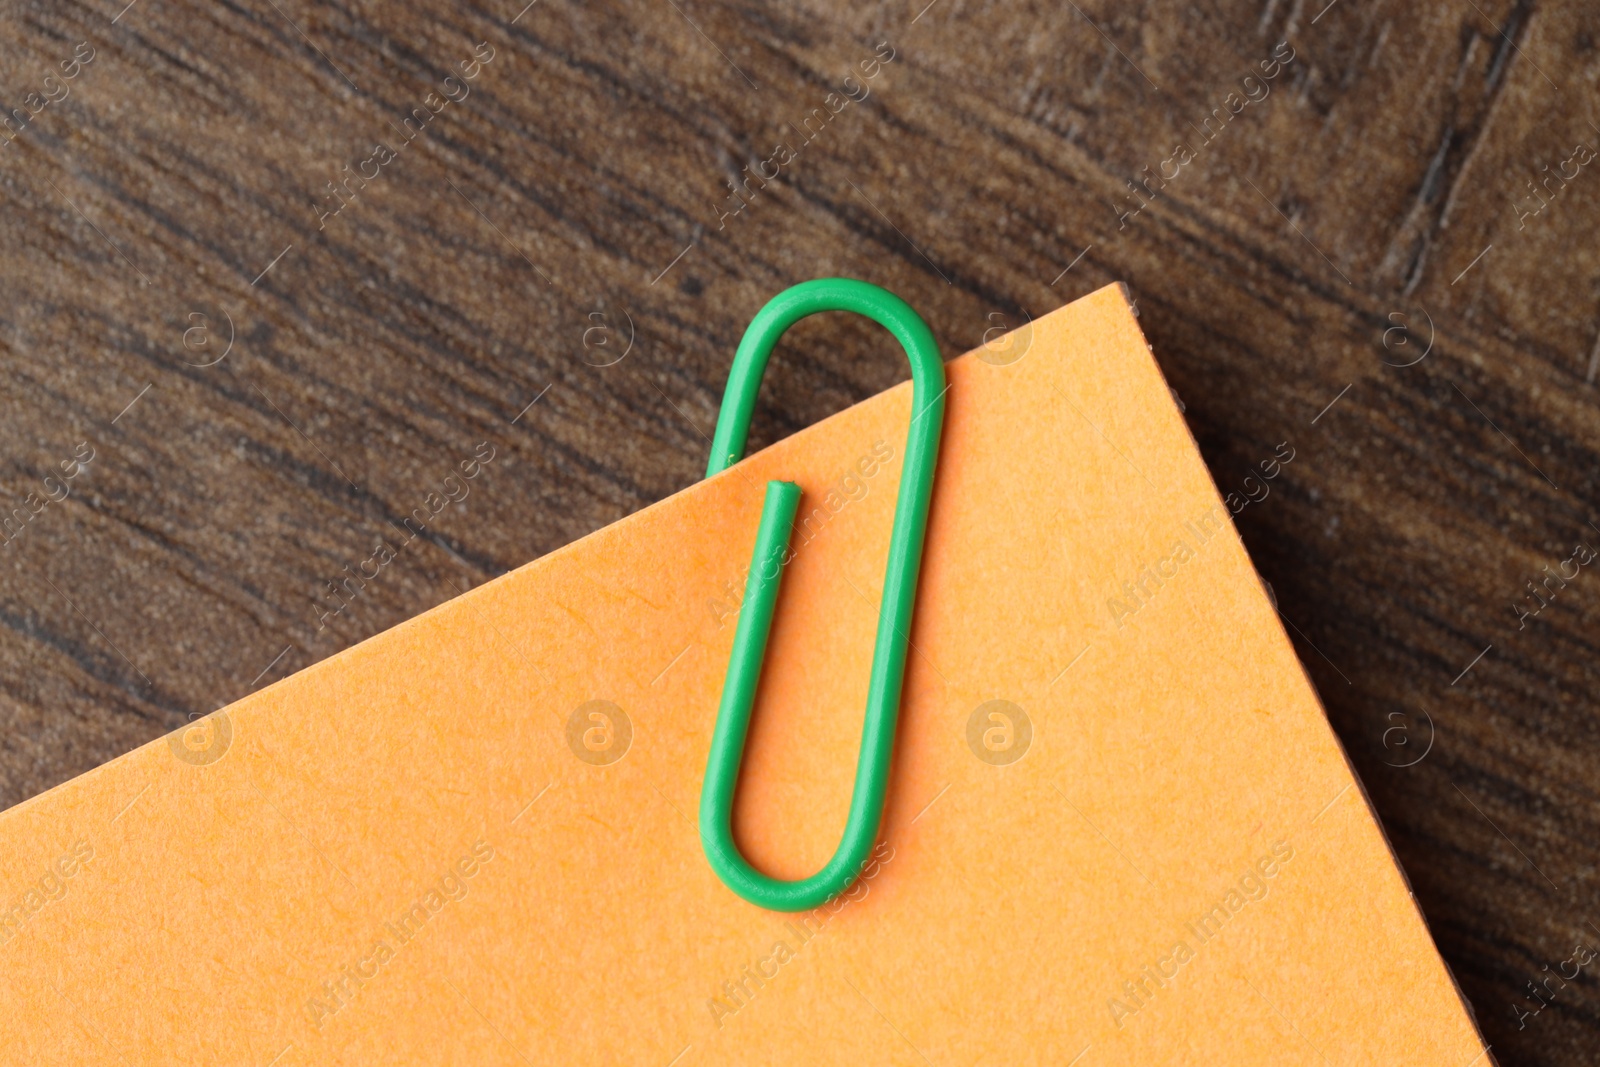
x=1119 y=829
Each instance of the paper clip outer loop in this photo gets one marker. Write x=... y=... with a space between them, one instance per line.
x=766 y=573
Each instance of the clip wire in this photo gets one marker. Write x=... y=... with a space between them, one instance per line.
x=772 y=552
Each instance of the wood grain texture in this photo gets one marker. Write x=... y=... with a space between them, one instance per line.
x=573 y=196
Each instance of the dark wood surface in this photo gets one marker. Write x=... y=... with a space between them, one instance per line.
x=575 y=195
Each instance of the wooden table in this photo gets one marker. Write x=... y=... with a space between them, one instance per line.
x=273 y=269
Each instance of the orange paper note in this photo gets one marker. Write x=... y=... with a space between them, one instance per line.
x=1119 y=829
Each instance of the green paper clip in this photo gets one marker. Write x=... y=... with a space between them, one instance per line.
x=766 y=572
